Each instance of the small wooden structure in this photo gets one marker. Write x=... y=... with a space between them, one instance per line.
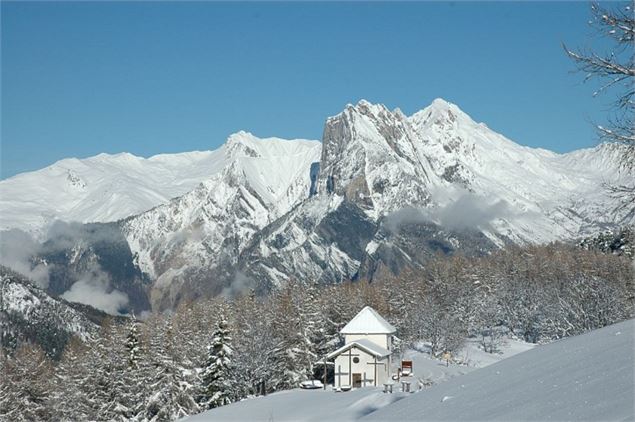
x=406 y=368
x=388 y=387
x=405 y=386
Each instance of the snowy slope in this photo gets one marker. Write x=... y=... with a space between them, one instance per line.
x=303 y=406
x=321 y=405
x=587 y=377
x=101 y=188
x=29 y=314
x=543 y=195
x=261 y=180
x=468 y=358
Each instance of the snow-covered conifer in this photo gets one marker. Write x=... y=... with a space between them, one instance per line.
x=218 y=373
x=132 y=344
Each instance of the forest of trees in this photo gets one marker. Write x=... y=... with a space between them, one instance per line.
x=212 y=352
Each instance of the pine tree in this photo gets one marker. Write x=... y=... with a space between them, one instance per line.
x=132 y=344
x=314 y=320
x=109 y=381
x=170 y=395
x=217 y=377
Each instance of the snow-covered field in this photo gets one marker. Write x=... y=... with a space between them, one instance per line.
x=588 y=377
x=321 y=405
x=470 y=358
x=303 y=405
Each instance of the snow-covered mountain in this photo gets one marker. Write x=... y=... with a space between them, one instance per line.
x=385 y=161
x=178 y=242
x=382 y=192
x=543 y=195
x=102 y=188
x=392 y=190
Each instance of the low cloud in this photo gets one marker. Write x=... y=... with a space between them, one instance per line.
x=470 y=211
x=94 y=289
x=63 y=235
x=466 y=210
x=408 y=215
x=18 y=251
x=240 y=283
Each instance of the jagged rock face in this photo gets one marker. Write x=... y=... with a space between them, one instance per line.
x=322 y=239
x=369 y=157
x=401 y=189
x=409 y=245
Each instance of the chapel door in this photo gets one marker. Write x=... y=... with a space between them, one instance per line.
x=357 y=380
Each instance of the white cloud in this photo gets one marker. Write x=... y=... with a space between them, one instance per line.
x=94 y=289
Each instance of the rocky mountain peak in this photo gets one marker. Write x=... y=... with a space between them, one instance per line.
x=368 y=154
x=440 y=113
x=367 y=108
x=241 y=144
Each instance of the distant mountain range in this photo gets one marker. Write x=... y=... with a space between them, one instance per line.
x=382 y=192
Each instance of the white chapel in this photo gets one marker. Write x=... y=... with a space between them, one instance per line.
x=364 y=360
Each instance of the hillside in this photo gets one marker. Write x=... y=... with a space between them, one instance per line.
x=319 y=405
x=29 y=314
x=587 y=377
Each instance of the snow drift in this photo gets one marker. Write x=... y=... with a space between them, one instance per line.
x=587 y=377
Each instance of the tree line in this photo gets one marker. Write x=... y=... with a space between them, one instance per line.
x=215 y=351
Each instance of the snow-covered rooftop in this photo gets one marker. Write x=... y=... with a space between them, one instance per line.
x=368 y=321
x=364 y=344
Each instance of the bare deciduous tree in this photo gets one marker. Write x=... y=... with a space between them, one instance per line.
x=613 y=69
x=615 y=72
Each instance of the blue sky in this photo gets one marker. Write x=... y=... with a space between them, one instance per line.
x=83 y=78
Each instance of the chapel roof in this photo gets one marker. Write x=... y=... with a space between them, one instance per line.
x=364 y=344
x=368 y=321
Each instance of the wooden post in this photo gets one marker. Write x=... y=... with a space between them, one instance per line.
x=325 y=372
x=339 y=374
x=375 y=363
x=375 y=371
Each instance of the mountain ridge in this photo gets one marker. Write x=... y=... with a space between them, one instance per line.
x=382 y=192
